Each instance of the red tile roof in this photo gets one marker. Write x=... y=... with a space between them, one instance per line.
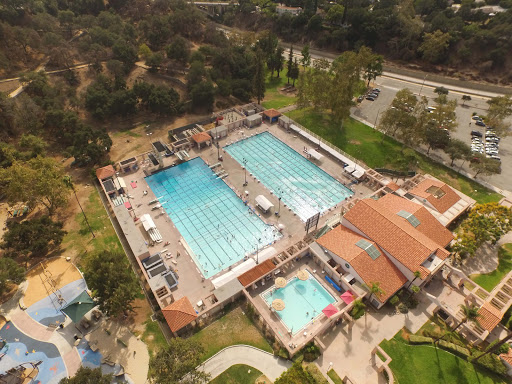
x=507 y=356
x=179 y=314
x=393 y=186
x=394 y=234
x=342 y=242
x=255 y=273
x=429 y=225
x=441 y=204
x=272 y=113
x=103 y=173
x=201 y=137
x=490 y=316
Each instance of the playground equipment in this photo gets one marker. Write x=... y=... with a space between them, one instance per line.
x=50 y=286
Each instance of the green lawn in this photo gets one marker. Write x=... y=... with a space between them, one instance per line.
x=427 y=365
x=237 y=374
x=489 y=280
x=231 y=329
x=80 y=240
x=274 y=99
x=334 y=376
x=153 y=336
x=380 y=151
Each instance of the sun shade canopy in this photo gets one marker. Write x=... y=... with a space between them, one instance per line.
x=330 y=310
x=79 y=306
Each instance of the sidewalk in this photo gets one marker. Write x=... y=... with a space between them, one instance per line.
x=268 y=364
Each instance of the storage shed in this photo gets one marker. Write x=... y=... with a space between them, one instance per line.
x=254 y=120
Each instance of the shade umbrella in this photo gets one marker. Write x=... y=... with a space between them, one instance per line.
x=79 y=306
x=281 y=226
x=278 y=304
x=330 y=310
x=280 y=282
x=347 y=297
x=303 y=275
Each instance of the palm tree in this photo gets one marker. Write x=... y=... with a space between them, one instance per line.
x=417 y=275
x=470 y=313
x=357 y=308
x=69 y=183
x=375 y=289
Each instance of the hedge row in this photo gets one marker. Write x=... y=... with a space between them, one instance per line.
x=455 y=349
x=417 y=339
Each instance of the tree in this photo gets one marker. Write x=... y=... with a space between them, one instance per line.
x=69 y=183
x=470 y=313
x=375 y=289
x=485 y=223
x=500 y=107
x=485 y=165
x=112 y=282
x=306 y=56
x=279 y=60
x=34 y=237
x=203 y=95
x=457 y=149
x=296 y=374
x=289 y=64
x=154 y=61
x=417 y=275
x=358 y=309
x=371 y=63
x=400 y=119
x=10 y=272
x=465 y=98
x=436 y=138
x=38 y=181
x=434 y=46
x=294 y=75
x=144 y=51
x=441 y=91
x=32 y=146
x=7 y=115
x=444 y=115
x=177 y=363
x=178 y=50
x=259 y=77
x=87 y=376
x=335 y=14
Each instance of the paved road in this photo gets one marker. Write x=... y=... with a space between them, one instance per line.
x=268 y=364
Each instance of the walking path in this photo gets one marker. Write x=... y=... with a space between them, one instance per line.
x=268 y=364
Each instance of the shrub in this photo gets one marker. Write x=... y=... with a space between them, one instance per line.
x=492 y=363
x=503 y=349
x=394 y=300
x=416 y=339
x=311 y=352
x=411 y=302
x=455 y=349
x=403 y=308
x=283 y=352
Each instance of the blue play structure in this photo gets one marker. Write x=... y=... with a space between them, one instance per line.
x=334 y=285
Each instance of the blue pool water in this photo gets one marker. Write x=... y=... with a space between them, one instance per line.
x=302 y=186
x=303 y=300
x=219 y=228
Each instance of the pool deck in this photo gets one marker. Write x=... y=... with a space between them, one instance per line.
x=191 y=282
x=310 y=330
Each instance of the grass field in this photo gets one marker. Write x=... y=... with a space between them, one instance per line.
x=489 y=280
x=153 y=336
x=274 y=99
x=427 y=364
x=334 y=376
x=380 y=151
x=231 y=329
x=237 y=374
x=80 y=239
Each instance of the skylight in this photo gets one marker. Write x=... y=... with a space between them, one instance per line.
x=369 y=248
x=413 y=220
x=436 y=191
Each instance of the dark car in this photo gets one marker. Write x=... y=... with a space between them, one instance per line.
x=374 y=95
x=476 y=133
x=480 y=123
x=360 y=98
x=376 y=90
x=370 y=98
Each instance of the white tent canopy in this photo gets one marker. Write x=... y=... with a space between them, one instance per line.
x=266 y=254
x=350 y=169
x=150 y=228
x=314 y=154
x=244 y=267
x=223 y=279
x=358 y=173
x=263 y=203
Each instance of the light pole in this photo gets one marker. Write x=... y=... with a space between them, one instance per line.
x=257 y=251
x=425 y=78
x=218 y=146
x=244 y=161
x=279 y=192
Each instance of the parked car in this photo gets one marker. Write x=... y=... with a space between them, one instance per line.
x=476 y=133
x=476 y=117
x=377 y=90
x=360 y=98
x=480 y=123
x=370 y=98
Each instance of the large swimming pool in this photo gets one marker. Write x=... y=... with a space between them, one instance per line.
x=212 y=219
x=303 y=300
x=302 y=186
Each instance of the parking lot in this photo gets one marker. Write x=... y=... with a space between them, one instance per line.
x=371 y=111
